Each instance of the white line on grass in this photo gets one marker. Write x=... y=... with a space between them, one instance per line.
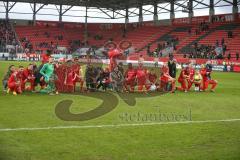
x=115 y=125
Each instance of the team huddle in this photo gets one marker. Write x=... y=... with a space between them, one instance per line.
x=64 y=76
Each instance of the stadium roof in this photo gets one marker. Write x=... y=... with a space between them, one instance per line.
x=110 y=4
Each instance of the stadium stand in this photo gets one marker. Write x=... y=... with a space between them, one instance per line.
x=145 y=39
x=7 y=35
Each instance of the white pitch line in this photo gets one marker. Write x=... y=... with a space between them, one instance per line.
x=115 y=125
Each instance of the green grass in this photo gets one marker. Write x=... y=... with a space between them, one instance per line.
x=196 y=141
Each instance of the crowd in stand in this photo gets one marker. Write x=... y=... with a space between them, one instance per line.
x=7 y=35
x=172 y=42
x=203 y=26
x=29 y=47
x=217 y=51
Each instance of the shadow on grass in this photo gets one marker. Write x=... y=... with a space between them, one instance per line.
x=109 y=102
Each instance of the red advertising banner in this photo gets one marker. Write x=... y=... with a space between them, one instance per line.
x=236 y=68
x=197 y=20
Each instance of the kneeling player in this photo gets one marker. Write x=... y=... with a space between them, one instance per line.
x=14 y=83
x=191 y=76
x=197 y=80
x=77 y=77
x=11 y=69
x=206 y=74
x=152 y=80
x=27 y=76
x=183 y=79
x=130 y=78
x=166 y=80
x=141 y=76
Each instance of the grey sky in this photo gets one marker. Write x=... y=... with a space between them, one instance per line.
x=76 y=11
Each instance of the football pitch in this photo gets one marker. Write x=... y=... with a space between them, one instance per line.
x=130 y=126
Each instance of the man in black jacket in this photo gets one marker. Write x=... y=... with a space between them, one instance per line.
x=172 y=67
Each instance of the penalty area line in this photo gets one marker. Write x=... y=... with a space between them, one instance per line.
x=115 y=125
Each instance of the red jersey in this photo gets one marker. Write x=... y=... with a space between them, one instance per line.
x=113 y=53
x=165 y=69
x=141 y=74
x=27 y=74
x=45 y=58
x=130 y=74
x=183 y=74
x=165 y=74
x=20 y=76
x=70 y=76
x=76 y=68
x=152 y=77
x=13 y=79
x=191 y=73
x=204 y=74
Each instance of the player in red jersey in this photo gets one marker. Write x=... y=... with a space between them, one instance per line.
x=28 y=76
x=60 y=71
x=20 y=75
x=130 y=78
x=69 y=77
x=113 y=55
x=191 y=76
x=11 y=69
x=183 y=79
x=206 y=78
x=14 y=83
x=166 y=79
x=141 y=76
x=45 y=57
x=152 y=79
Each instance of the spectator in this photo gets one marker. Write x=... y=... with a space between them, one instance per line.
x=148 y=49
x=224 y=47
x=189 y=31
x=230 y=35
x=229 y=56
x=225 y=66
x=217 y=43
x=172 y=67
x=222 y=42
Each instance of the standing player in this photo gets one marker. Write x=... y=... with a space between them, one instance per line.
x=172 y=67
x=47 y=72
x=206 y=75
x=130 y=78
x=113 y=54
x=69 y=77
x=60 y=71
